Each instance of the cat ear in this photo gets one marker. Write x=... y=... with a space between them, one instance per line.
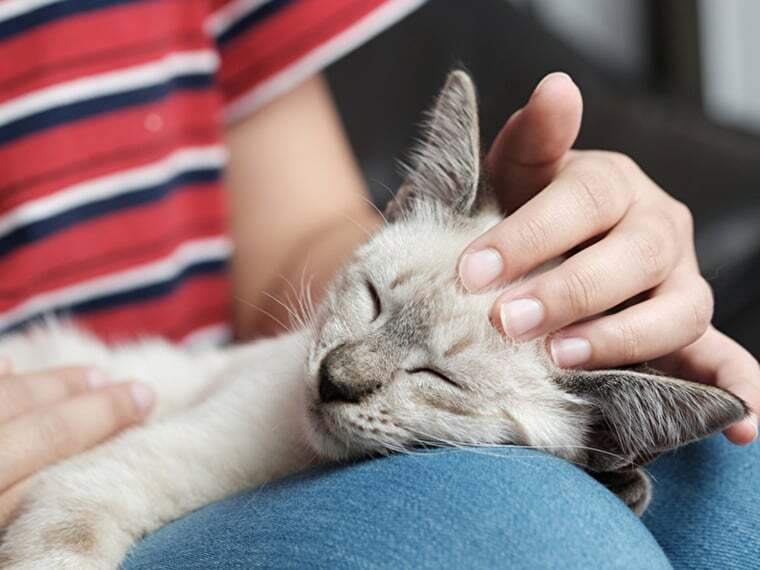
x=640 y=414
x=445 y=167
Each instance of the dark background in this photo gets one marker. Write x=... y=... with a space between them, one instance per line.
x=654 y=116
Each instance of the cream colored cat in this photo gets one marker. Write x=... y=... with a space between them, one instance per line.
x=397 y=356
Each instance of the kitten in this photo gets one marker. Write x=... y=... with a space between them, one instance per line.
x=398 y=355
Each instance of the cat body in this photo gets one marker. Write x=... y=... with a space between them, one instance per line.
x=397 y=356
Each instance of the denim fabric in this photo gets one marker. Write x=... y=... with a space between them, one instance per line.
x=706 y=508
x=507 y=508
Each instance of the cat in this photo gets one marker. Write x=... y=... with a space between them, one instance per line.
x=397 y=356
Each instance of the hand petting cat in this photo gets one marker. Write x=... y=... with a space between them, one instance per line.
x=48 y=416
x=630 y=244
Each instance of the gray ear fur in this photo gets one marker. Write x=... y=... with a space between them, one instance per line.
x=445 y=167
x=639 y=414
x=632 y=486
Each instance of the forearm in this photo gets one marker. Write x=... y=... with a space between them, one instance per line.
x=304 y=275
x=297 y=204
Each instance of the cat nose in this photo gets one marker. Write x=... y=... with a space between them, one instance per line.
x=331 y=390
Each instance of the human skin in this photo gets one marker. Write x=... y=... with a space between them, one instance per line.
x=299 y=207
x=630 y=242
x=561 y=199
x=50 y=415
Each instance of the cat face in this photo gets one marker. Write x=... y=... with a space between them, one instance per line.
x=401 y=355
x=404 y=356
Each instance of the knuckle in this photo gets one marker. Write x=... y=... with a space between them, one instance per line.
x=701 y=308
x=75 y=378
x=683 y=217
x=16 y=392
x=577 y=290
x=623 y=163
x=122 y=405
x=593 y=194
x=651 y=254
x=533 y=236
x=56 y=433
x=631 y=340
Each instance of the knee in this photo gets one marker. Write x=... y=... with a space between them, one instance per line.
x=490 y=508
x=444 y=509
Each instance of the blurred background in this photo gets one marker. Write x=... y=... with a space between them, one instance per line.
x=673 y=83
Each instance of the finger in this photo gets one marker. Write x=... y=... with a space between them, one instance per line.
x=677 y=315
x=42 y=437
x=528 y=151
x=10 y=500
x=20 y=394
x=630 y=260
x=591 y=195
x=718 y=359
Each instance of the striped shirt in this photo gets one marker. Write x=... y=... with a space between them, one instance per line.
x=112 y=209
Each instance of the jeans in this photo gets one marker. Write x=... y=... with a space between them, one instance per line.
x=476 y=508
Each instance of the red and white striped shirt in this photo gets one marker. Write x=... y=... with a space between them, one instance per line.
x=111 y=115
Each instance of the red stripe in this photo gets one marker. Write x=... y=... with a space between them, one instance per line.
x=198 y=303
x=92 y=141
x=98 y=41
x=112 y=243
x=216 y=5
x=284 y=38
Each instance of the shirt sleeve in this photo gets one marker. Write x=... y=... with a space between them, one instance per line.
x=266 y=47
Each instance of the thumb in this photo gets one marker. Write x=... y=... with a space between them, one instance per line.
x=530 y=148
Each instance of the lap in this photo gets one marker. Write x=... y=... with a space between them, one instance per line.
x=443 y=509
x=705 y=512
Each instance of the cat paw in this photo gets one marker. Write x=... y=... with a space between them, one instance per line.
x=55 y=530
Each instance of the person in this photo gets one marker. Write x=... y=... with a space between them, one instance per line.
x=114 y=212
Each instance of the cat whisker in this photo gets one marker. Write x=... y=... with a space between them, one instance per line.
x=270 y=315
x=374 y=207
x=295 y=318
x=357 y=224
x=384 y=186
x=476 y=445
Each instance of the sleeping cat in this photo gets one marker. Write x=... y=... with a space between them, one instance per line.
x=397 y=356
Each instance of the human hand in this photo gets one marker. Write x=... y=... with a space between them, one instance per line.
x=634 y=246
x=48 y=416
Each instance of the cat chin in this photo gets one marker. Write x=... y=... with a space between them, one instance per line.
x=328 y=445
x=321 y=439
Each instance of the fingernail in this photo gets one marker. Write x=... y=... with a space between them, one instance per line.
x=567 y=352
x=551 y=77
x=520 y=316
x=752 y=419
x=478 y=269
x=97 y=378
x=142 y=396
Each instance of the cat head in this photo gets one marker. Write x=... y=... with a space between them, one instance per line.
x=402 y=355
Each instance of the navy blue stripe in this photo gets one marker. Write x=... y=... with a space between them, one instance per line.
x=252 y=19
x=99 y=105
x=29 y=20
x=148 y=292
x=131 y=296
x=44 y=228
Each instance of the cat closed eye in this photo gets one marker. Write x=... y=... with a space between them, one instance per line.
x=433 y=372
x=375 y=296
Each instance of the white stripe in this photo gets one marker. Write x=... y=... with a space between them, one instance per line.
x=373 y=23
x=12 y=8
x=212 y=335
x=123 y=182
x=143 y=75
x=166 y=269
x=224 y=18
